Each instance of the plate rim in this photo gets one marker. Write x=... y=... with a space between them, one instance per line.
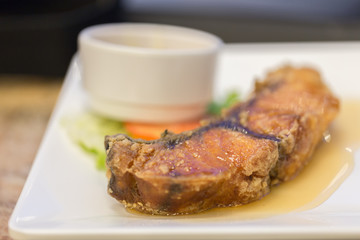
x=18 y=232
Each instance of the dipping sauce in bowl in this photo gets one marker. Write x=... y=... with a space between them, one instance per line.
x=148 y=72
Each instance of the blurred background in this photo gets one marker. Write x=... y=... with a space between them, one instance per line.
x=39 y=36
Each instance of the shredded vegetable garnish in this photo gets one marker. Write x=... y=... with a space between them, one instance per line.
x=215 y=107
x=88 y=130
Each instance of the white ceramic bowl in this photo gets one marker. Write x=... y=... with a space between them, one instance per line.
x=148 y=72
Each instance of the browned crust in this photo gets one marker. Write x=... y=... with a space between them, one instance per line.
x=231 y=161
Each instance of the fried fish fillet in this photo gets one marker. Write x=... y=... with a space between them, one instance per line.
x=229 y=161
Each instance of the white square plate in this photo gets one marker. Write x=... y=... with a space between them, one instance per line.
x=65 y=196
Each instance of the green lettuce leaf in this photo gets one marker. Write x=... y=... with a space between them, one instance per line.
x=215 y=107
x=88 y=131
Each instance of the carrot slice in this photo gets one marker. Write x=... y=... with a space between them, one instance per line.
x=148 y=131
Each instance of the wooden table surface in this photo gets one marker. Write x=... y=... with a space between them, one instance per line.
x=26 y=104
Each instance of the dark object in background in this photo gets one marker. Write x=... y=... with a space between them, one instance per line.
x=40 y=36
x=256 y=20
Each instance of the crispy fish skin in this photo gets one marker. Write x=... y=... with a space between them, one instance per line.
x=231 y=161
x=295 y=106
x=218 y=167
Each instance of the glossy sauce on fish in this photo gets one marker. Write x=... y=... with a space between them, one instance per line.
x=231 y=161
x=331 y=163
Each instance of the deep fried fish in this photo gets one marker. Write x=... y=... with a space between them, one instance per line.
x=230 y=161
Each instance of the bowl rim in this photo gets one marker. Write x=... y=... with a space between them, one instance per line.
x=88 y=37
